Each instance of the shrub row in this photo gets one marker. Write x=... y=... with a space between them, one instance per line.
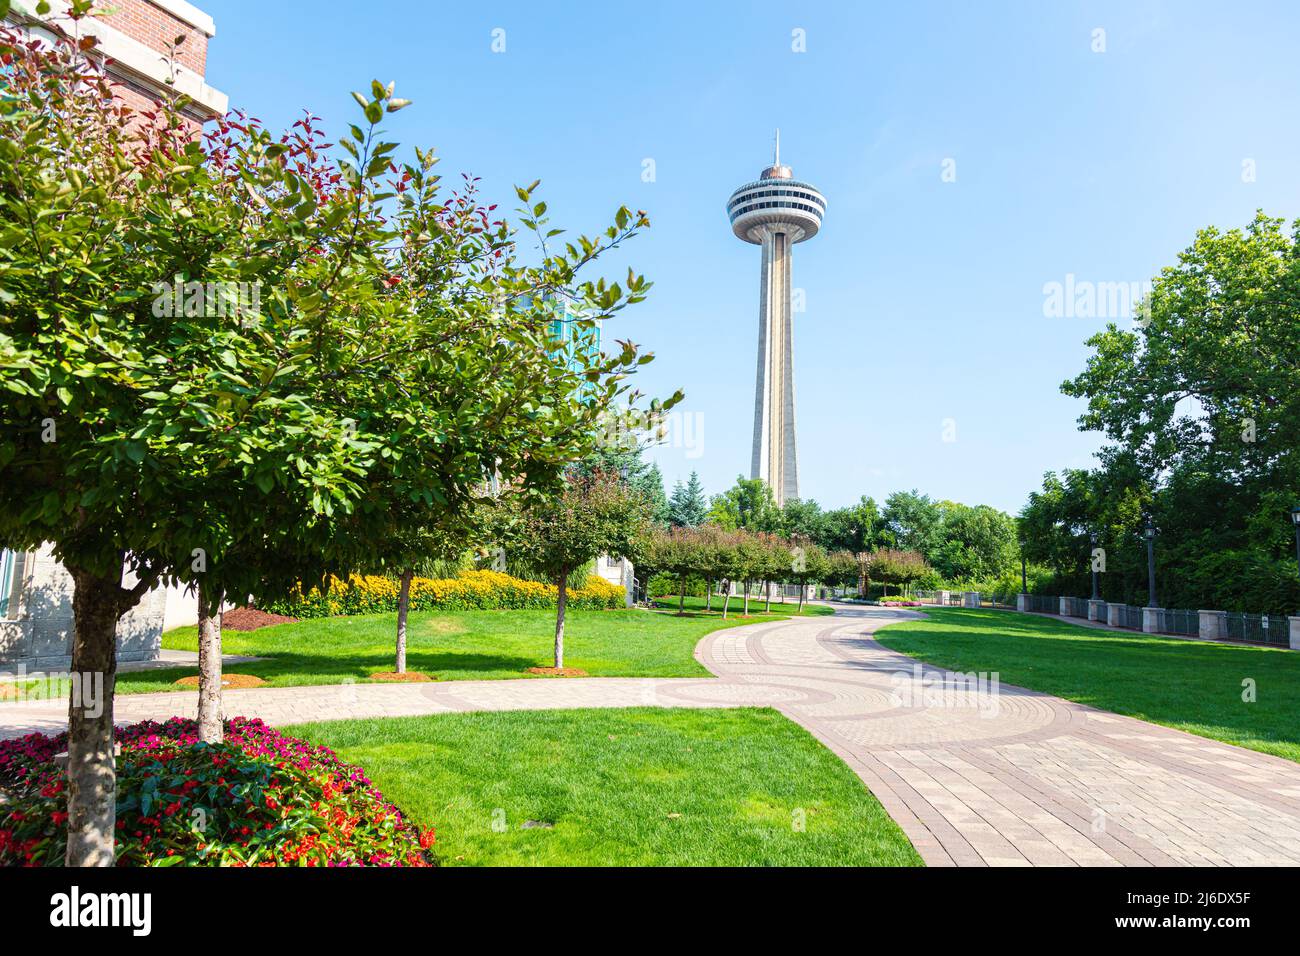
x=257 y=799
x=472 y=590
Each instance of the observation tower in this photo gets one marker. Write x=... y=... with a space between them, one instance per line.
x=775 y=212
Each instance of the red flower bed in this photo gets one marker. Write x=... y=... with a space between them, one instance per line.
x=258 y=799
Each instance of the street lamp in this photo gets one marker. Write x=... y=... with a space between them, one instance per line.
x=1150 y=534
x=1295 y=520
x=1092 y=561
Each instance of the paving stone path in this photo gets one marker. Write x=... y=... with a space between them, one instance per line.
x=975 y=774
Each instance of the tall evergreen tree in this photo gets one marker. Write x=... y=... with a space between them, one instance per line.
x=687 y=508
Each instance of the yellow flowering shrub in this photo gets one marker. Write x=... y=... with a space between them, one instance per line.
x=484 y=590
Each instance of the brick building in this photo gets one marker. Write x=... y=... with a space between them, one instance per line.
x=137 y=40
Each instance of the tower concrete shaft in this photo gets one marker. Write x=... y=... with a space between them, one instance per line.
x=775 y=459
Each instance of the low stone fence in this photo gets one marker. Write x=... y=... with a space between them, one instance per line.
x=1273 y=630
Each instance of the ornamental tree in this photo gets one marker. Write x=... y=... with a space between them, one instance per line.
x=892 y=566
x=808 y=563
x=155 y=427
x=775 y=565
x=595 y=514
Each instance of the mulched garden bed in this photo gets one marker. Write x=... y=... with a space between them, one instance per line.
x=250 y=619
x=228 y=681
x=409 y=677
x=558 y=671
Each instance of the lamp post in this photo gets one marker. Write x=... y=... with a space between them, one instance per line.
x=1092 y=562
x=1295 y=520
x=1024 y=577
x=1150 y=534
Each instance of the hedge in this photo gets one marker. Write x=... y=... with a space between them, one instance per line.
x=472 y=590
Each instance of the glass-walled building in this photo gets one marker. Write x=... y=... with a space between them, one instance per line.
x=574 y=336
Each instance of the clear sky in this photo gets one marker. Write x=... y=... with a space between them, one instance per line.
x=925 y=318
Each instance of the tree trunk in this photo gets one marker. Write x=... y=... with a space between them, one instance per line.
x=92 y=773
x=403 y=605
x=210 y=729
x=708 y=595
x=726 y=601
x=681 y=595
x=746 y=599
x=802 y=589
x=559 y=620
x=767 y=597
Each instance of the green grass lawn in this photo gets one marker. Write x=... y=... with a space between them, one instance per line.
x=624 y=787
x=453 y=645
x=788 y=609
x=1194 y=686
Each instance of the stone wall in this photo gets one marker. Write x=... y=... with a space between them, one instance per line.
x=38 y=630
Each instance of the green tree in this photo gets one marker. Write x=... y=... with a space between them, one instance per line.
x=713 y=557
x=776 y=564
x=976 y=544
x=913 y=522
x=1200 y=401
x=842 y=569
x=674 y=551
x=596 y=513
x=856 y=528
x=747 y=505
x=687 y=507
x=894 y=566
x=1221 y=329
x=808 y=563
x=802 y=517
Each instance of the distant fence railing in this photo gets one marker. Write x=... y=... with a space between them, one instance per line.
x=1075 y=607
x=1175 y=620
x=1273 y=630
x=946 y=598
x=1269 y=629
x=1258 y=628
x=1044 y=603
x=1129 y=616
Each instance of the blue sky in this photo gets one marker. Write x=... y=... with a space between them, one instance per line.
x=925 y=304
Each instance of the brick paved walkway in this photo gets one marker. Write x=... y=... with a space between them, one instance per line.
x=974 y=775
x=1016 y=777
